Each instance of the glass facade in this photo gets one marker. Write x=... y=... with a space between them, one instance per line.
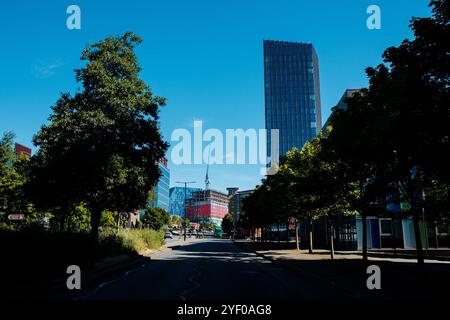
x=292 y=93
x=177 y=199
x=161 y=190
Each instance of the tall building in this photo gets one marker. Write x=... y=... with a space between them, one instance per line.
x=177 y=196
x=292 y=93
x=207 y=204
x=161 y=193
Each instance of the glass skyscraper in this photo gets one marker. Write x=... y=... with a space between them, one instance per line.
x=292 y=93
x=160 y=193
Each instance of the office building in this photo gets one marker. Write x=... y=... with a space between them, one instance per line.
x=207 y=204
x=177 y=197
x=235 y=202
x=161 y=194
x=292 y=93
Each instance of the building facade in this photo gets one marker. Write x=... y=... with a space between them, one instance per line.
x=292 y=93
x=391 y=228
x=207 y=204
x=161 y=192
x=235 y=202
x=176 y=199
x=342 y=104
x=21 y=150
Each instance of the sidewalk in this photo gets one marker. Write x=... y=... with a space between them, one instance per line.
x=400 y=277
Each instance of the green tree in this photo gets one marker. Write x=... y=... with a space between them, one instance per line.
x=185 y=222
x=175 y=220
x=78 y=219
x=13 y=176
x=109 y=218
x=400 y=123
x=323 y=189
x=307 y=186
x=6 y=152
x=103 y=144
x=258 y=210
x=227 y=223
x=155 y=218
x=206 y=223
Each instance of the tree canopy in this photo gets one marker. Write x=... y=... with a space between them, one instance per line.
x=103 y=143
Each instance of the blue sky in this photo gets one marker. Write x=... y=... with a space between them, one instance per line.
x=204 y=56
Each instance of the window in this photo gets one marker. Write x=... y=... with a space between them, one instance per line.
x=386 y=227
x=442 y=230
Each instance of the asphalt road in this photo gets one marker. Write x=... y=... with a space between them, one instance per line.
x=209 y=269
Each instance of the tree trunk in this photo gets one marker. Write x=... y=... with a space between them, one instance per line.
x=287 y=230
x=278 y=232
x=95 y=222
x=310 y=235
x=62 y=221
x=419 y=248
x=332 y=242
x=296 y=235
x=364 y=236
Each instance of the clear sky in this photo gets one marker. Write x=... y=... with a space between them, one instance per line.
x=204 y=56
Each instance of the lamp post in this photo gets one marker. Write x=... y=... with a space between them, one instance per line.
x=185 y=188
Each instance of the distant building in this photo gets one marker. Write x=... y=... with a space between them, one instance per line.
x=342 y=104
x=161 y=192
x=387 y=229
x=235 y=202
x=21 y=150
x=176 y=199
x=292 y=93
x=159 y=195
x=207 y=204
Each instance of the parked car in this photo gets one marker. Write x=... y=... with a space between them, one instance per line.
x=168 y=235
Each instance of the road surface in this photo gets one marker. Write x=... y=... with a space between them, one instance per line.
x=209 y=269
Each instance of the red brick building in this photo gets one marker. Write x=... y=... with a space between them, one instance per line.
x=21 y=150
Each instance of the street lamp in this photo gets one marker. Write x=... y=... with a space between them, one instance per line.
x=185 y=215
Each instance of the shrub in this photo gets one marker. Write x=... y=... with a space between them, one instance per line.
x=6 y=227
x=129 y=241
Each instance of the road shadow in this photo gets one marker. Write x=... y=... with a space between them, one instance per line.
x=403 y=280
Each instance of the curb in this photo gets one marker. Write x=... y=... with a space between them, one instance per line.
x=405 y=256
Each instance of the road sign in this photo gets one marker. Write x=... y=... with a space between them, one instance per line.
x=124 y=216
x=16 y=216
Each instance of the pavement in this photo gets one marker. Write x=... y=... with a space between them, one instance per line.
x=220 y=269
x=208 y=269
x=401 y=278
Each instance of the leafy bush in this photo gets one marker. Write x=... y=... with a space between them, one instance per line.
x=6 y=227
x=155 y=218
x=129 y=241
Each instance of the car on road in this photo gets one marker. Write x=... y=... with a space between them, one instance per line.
x=168 y=235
